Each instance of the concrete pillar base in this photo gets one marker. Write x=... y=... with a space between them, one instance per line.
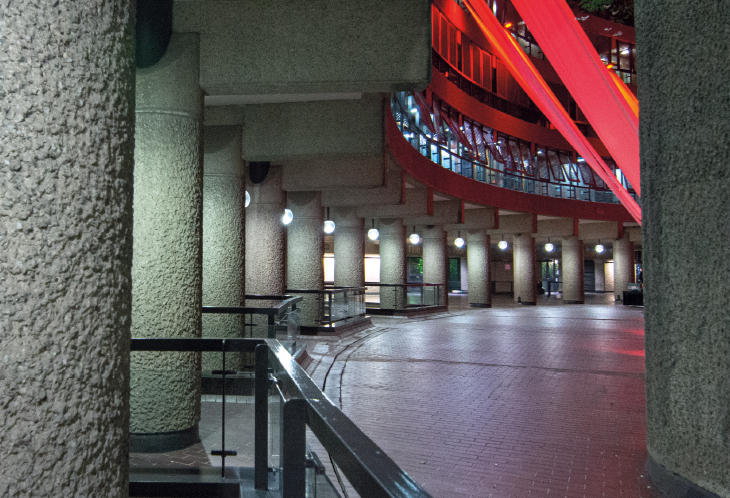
x=163 y=442
x=674 y=485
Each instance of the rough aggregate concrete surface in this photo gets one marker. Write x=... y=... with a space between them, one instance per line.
x=349 y=248
x=223 y=239
x=392 y=261
x=477 y=250
x=168 y=220
x=435 y=261
x=573 y=273
x=66 y=160
x=685 y=137
x=524 y=265
x=266 y=236
x=305 y=252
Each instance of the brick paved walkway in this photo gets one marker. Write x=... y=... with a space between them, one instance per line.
x=511 y=401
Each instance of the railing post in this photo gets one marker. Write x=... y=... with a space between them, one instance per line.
x=261 y=418
x=272 y=330
x=294 y=437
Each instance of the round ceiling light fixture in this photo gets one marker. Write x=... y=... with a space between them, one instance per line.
x=287 y=217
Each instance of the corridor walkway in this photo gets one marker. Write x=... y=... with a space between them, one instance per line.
x=511 y=401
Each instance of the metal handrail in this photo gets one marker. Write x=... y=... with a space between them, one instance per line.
x=370 y=471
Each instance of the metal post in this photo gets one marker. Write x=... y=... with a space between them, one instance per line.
x=261 y=418
x=222 y=452
x=294 y=448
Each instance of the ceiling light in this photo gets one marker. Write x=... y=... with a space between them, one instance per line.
x=248 y=199
x=287 y=217
x=503 y=245
x=373 y=233
x=459 y=242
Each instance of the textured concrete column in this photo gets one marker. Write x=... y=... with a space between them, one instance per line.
x=573 y=271
x=436 y=262
x=478 y=247
x=224 y=194
x=265 y=236
x=349 y=248
x=623 y=266
x=168 y=220
x=392 y=262
x=685 y=125
x=523 y=256
x=66 y=161
x=305 y=252
x=600 y=274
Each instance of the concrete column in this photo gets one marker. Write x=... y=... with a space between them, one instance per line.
x=600 y=274
x=66 y=248
x=224 y=194
x=305 y=252
x=623 y=266
x=265 y=236
x=573 y=271
x=523 y=255
x=685 y=125
x=349 y=248
x=478 y=246
x=167 y=271
x=392 y=262
x=436 y=263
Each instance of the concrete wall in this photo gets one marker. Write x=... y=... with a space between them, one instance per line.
x=684 y=132
x=66 y=160
x=251 y=47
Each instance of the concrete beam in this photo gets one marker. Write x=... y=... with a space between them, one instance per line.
x=390 y=193
x=474 y=219
x=416 y=205
x=605 y=230
x=444 y=213
x=561 y=227
x=249 y=47
x=514 y=223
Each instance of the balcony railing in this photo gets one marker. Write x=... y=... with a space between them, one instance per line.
x=286 y=402
x=404 y=296
x=334 y=305
x=449 y=152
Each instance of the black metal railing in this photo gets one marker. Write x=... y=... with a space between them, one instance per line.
x=302 y=405
x=405 y=296
x=335 y=304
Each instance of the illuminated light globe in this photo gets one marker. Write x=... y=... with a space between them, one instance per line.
x=248 y=199
x=549 y=247
x=329 y=226
x=459 y=242
x=287 y=217
x=414 y=238
x=600 y=248
x=373 y=234
x=503 y=245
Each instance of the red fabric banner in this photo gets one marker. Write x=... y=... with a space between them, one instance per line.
x=597 y=93
x=532 y=82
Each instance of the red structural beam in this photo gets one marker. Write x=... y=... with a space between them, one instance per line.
x=597 y=93
x=536 y=87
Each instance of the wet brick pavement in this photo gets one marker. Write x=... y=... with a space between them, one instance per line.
x=511 y=401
